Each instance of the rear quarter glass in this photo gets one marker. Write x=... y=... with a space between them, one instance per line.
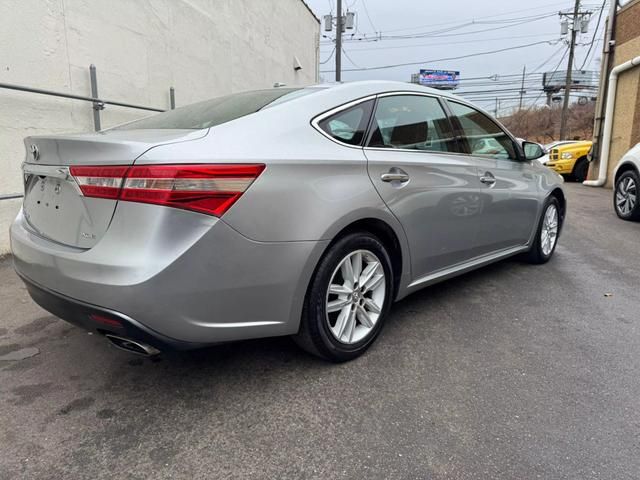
x=217 y=111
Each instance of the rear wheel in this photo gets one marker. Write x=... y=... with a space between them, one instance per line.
x=580 y=170
x=348 y=299
x=625 y=197
x=547 y=234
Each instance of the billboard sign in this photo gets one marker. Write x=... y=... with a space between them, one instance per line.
x=442 y=79
x=554 y=81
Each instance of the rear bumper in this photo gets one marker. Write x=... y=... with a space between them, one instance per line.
x=100 y=320
x=180 y=277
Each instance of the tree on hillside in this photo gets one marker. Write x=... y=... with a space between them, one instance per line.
x=542 y=124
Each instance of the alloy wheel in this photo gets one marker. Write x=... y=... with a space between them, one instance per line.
x=549 y=232
x=355 y=296
x=626 y=196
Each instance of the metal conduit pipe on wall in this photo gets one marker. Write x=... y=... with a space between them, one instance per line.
x=608 y=122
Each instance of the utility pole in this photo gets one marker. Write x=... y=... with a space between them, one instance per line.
x=339 y=41
x=497 y=110
x=522 y=91
x=567 y=85
x=342 y=23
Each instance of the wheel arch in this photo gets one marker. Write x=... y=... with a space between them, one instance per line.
x=558 y=194
x=623 y=168
x=387 y=235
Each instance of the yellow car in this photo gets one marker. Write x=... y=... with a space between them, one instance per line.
x=571 y=160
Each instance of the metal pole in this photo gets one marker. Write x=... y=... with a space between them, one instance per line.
x=524 y=72
x=71 y=96
x=11 y=196
x=607 y=66
x=339 y=42
x=172 y=97
x=567 y=87
x=97 y=106
x=497 y=108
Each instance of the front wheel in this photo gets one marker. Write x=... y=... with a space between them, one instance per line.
x=580 y=170
x=625 y=198
x=546 y=237
x=348 y=299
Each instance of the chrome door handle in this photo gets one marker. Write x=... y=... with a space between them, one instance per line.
x=395 y=175
x=488 y=179
x=391 y=177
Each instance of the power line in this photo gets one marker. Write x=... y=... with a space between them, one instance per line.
x=552 y=73
x=549 y=59
x=472 y=19
x=595 y=34
x=422 y=62
x=444 y=32
x=330 y=6
x=366 y=11
x=349 y=58
x=329 y=57
x=513 y=97
x=394 y=47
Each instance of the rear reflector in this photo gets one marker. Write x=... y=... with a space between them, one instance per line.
x=112 y=322
x=210 y=189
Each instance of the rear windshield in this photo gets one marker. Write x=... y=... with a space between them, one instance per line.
x=217 y=110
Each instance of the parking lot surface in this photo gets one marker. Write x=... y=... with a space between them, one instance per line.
x=513 y=371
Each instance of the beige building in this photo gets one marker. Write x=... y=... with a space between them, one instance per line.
x=202 y=48
x=626 y=121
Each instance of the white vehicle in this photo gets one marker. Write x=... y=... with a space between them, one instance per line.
x=627 y=180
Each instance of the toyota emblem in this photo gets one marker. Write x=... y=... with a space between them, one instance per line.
x=35 y=153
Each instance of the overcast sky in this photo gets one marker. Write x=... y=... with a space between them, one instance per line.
x=446 y=31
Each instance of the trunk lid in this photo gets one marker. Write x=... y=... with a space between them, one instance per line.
x=54 y=206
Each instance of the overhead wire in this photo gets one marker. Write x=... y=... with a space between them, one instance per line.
x=366 y=11
x=595 y=34
x=329 y=57
x=349 y=58
x=533 y=104
x=461 y=42
x=445 y=33
x=422 y=62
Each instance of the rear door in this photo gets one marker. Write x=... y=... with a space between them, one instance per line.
x=507 y=181
x=54 y=206
x=415 y=164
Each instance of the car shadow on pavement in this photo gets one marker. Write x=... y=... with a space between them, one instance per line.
x=254 y=362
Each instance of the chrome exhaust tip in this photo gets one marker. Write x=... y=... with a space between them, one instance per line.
x=132 y=346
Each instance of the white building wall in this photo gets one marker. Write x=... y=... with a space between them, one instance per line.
x=203 y=48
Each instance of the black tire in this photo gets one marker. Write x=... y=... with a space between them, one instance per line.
x=580 y=170
x=628 y=178
x=536 y=255
x=315 y=335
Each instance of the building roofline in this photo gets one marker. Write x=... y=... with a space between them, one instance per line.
x=310 y=11
x=628 y=5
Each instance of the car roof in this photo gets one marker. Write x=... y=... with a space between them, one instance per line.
x=379 y=86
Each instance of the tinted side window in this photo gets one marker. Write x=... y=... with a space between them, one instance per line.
x=217 y=110
x=412 y=122
x=350 y=125
x=482 y=135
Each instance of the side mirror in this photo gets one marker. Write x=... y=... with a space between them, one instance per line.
x=532 y=151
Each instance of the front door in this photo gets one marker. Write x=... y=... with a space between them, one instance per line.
x=507 y=181
x=415 y=163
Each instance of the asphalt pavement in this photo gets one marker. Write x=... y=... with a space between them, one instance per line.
x=510 y=372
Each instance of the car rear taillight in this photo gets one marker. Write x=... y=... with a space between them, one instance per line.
x=210 y=189
x=99 y=182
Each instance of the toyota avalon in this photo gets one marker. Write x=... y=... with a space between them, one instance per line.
x=291 y=211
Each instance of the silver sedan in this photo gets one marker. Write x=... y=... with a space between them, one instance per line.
x=303 y=212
